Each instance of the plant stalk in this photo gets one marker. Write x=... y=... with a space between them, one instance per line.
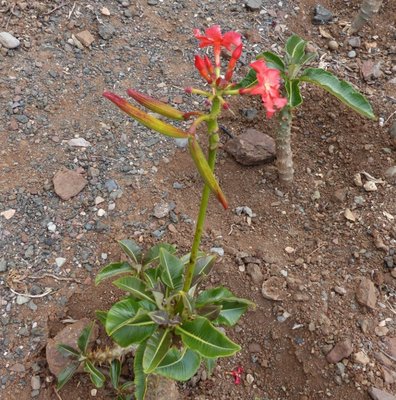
x=213 y=128
x=284 y=155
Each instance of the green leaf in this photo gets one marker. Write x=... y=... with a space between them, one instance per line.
x=140 y=377
x=153 y=254
x=179 y=366
x=127 y=323
x=135 y=286
x=111 y=270
x=204 y=265
x=83 y=340
x=201 y=336
x=187 y=302
x=115 y=373
x=209 y=311
x=151 y=276
x=131 y=249
x=156 y=348
x=343 y=90
x=272 y=60
x=307 y=58
x=186 y=258
x=293 y=92
x=66 y=374
x=295 y=49
x=230 y=312
x=249 y=80
x=101 y=316
x=171 y=270
x=213 y=295
x=68 y=351
x=160 y=317
x=97 y=378
x=210 y=364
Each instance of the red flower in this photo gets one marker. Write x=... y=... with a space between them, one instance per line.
x=268 y=86
x=237 y=374
x=213 y=37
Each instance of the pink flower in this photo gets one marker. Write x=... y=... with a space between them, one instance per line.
x=268 y=87
x=213 y=37
x=237 y=375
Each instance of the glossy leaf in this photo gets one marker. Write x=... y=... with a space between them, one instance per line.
x=127 y=323
x=293 y=92
x=111 y=270
x=83 y=340
x=140 y=377
x=156 y=348
x=153 y=254
x=342 y=90
x=295 y=48
x=131 y=249
x=249 y=80
x=135 y=286
x=66 y=374
x=213 y=295
x=115 y=372
x=210 y=311
x=230 y=312
x=201 y=336
x=151 y=276
x=204 y=169
x=204 y=265
x=210 y=364
x=179 y=366
x=68 y=351
x=272 y=60
x=97 y=378
x=156 y=106
x=146 y=119
x=101 y=316
x=171 y=270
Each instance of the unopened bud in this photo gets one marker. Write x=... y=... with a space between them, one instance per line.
x=188 y=89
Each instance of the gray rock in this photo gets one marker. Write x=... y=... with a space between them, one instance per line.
x=354 y=41
x=106 y=31
x=9 y=41
x=3 y=265
x=29 y=251
x=252 y=148
x=181 y=143
x=111 y=185
x=22 y=299
x=322 y=15
x=250 y=113
x=254 y=5
x=390 y=173
x=352 y=54
x=378 y=394
x=217 y=250
x=35 y=382
x=161 y=210
x=255 y=273
x=152 y=2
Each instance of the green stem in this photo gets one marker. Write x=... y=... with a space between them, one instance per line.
x=213 y=143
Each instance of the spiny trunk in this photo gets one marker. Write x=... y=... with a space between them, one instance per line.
x=367 y=10
x=284 y=155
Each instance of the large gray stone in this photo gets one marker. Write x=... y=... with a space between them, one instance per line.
x=9 y=41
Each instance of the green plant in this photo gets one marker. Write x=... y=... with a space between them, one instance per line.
x=168 y=325
x=291 y=70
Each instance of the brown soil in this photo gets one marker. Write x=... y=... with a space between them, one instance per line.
x=331 y=144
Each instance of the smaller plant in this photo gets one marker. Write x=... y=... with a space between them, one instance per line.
x=262 y=79
x=170 y=331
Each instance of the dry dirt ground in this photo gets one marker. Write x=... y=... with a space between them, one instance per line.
x=50 y=92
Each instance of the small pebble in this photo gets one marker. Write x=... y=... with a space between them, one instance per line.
x=352 y=54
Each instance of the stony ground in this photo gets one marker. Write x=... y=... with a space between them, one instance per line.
x=76 y=176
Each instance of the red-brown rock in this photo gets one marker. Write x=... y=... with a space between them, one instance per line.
x=68 y=183
x=378 y=394
x=69 y=336
x=366 y=294
x=340 y=351
x=252 y=148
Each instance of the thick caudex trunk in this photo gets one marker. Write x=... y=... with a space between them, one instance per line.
x=367 y=10
x=284 y=155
